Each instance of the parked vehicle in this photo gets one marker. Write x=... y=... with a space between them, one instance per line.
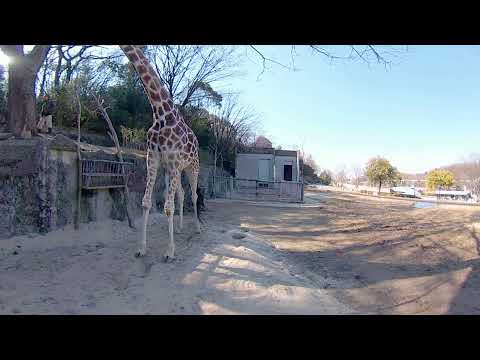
x=405 y=191
x=453 y=195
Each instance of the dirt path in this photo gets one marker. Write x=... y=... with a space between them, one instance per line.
x=225 y=270
x=381 y=256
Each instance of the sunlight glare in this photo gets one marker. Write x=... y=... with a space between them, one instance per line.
x=4 y=59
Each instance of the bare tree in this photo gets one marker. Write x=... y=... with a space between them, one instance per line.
x=231 y=125
x=22 y=75
x=474 y=187
x=357 y=176
x=340 y=177
x=382 y=55
x=190 y=71
x=67 y=60
x=113 y=135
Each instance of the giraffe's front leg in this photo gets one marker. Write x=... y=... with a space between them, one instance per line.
x=152 y=167
x=169 y=210
x=143 y=243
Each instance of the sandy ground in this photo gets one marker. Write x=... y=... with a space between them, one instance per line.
x=335 y=254
x=225 y=270
x=382 y=256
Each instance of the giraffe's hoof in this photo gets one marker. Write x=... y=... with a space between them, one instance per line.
x=140 y=253
x=168 y=258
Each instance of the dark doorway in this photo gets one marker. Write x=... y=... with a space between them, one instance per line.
x=287 y=172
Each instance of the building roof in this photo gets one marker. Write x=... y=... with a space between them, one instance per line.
x=263 y=142
x=256 y=150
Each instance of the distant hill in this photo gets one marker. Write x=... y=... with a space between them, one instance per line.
x=413 y=176
x=462 y=171
x=465 y=171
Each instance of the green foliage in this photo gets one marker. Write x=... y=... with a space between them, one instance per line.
x=211 y=94
x=197 y=119
x=380 y=171
x=129 y=106
x=133 y=135
x=66 y=106
x=325 y=177
x=439 y=179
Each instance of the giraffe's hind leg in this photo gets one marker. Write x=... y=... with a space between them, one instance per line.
x=192 y=174
x=180 y=199
x=169 y=210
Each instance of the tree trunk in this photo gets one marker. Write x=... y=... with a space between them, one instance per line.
x=58 y=70
x=214 y=171
x=22 y=74
x=69 y=73
x=379 y=187
x=44 y=78
x=21 y=101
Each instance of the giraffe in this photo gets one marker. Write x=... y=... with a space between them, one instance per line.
x=170 y=144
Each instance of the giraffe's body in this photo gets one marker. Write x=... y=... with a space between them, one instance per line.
x=170 y=144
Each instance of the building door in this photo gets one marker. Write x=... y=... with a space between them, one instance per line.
x=263 y=169
x=287 y=172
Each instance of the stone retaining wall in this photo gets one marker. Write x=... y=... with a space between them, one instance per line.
x=38 y=186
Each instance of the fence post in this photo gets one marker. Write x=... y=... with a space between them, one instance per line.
x=231 y=186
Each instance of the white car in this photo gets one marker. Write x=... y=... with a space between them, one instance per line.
x=405 y=191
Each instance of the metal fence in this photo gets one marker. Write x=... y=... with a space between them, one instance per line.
x=104 y=174
x=140 y=146
x=233 y=188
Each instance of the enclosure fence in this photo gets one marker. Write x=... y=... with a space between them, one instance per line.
x=104 y=174
x=245 y=189
x=135 y=145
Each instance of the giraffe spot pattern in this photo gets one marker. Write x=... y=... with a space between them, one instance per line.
x=178 y=137
x=170 y=120
x=164 y=93
x=132 y=57
x=177 y=130
x=174 y=138
x=140 y=54
x=154 y=95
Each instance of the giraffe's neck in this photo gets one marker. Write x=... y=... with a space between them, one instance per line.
x=158 y=95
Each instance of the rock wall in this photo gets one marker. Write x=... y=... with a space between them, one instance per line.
x=39 y=179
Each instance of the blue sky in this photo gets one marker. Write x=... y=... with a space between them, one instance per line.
x=421 y=112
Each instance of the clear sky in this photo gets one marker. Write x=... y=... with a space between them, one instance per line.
x=421 y=112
